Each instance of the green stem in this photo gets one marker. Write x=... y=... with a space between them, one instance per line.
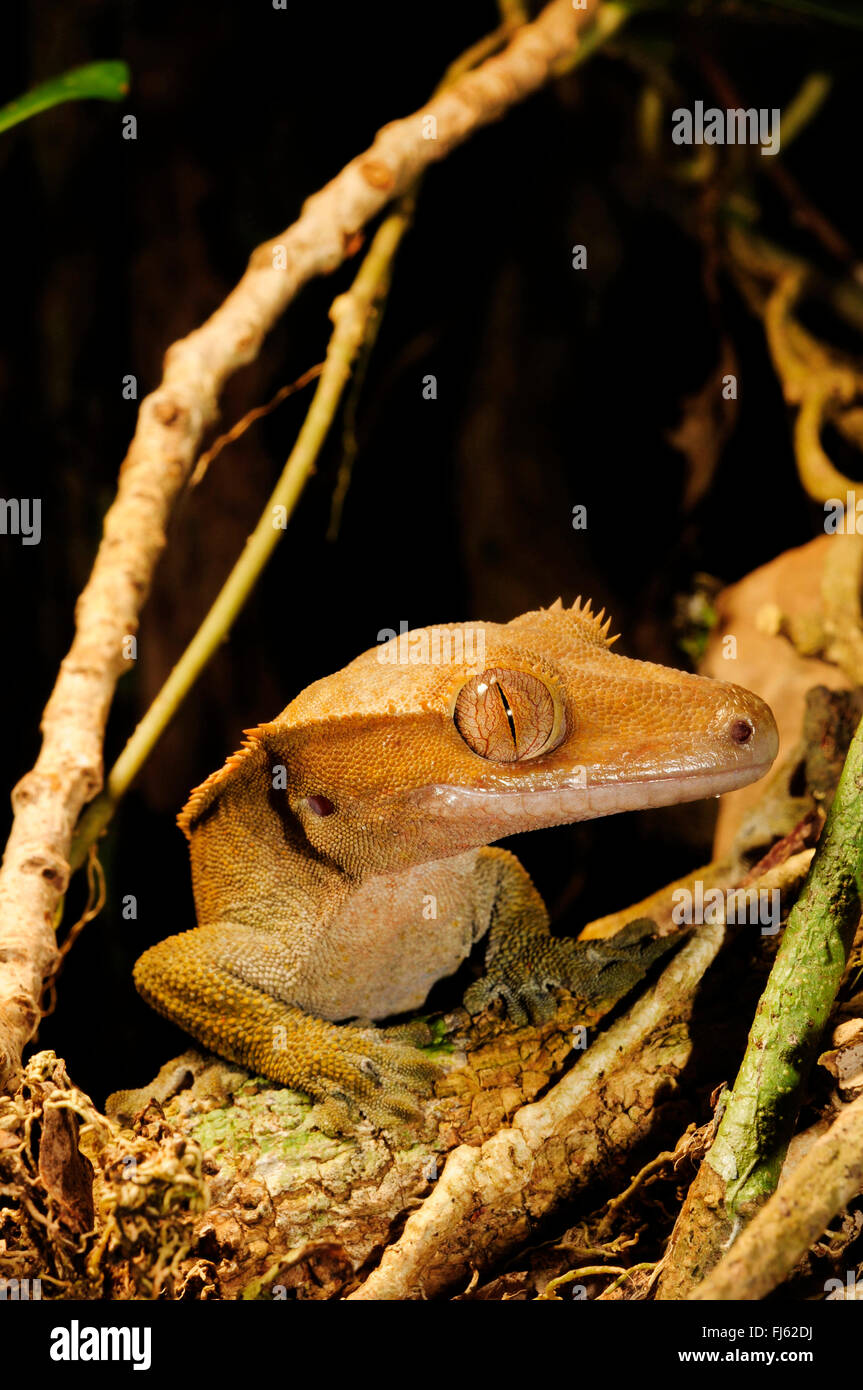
x=762 y=1110
x=804 y=107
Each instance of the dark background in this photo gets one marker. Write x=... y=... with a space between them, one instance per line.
x=555 y=387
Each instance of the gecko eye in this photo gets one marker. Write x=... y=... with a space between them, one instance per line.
x=321 y=805
x=507 y=716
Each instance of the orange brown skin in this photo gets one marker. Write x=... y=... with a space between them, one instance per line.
x=340 y=861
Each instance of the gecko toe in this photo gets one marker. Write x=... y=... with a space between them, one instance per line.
x=380 y=1078
x=416 y=1033
x=526 y=999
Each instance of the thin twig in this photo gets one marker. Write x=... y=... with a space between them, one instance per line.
x=512 y=16
x=549 y=1293
x=633 y=1269
x=805 y=105
x=654 y=1166
x=239 y=429
x=96 y=894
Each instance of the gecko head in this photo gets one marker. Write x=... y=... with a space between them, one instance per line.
x=454 y=737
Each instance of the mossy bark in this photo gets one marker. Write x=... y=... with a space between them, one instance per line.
x=742 y=1169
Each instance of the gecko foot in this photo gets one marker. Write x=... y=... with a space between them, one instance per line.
x=524 y=969
x=376 y=1076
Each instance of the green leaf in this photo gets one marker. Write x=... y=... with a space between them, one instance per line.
x=104 y=81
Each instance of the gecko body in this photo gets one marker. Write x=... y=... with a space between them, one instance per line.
x=341 y=861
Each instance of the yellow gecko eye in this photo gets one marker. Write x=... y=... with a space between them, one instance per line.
x=508 y=716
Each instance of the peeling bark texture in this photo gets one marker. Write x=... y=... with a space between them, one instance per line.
x=825 y=1180
x=277 y=1185
x=171 y=423
x=294 y=1212
x=490 y=1198
x=741 y=1171
x=702 y=1227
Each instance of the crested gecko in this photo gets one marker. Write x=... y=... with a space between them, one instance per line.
x=341 y=861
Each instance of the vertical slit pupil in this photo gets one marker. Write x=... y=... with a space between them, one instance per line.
x=510 y=717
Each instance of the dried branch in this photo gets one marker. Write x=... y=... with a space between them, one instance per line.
x=820 y=380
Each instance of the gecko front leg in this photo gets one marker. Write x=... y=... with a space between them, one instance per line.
x=525 y=963
x=196 y=980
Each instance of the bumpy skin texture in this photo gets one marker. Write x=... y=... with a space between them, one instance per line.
x=339 y=859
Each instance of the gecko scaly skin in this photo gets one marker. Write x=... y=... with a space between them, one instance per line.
x=317 y=849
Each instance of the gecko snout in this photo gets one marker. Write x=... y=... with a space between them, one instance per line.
x=751 y=728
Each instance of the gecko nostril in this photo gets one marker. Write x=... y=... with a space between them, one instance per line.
x=741 y=731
